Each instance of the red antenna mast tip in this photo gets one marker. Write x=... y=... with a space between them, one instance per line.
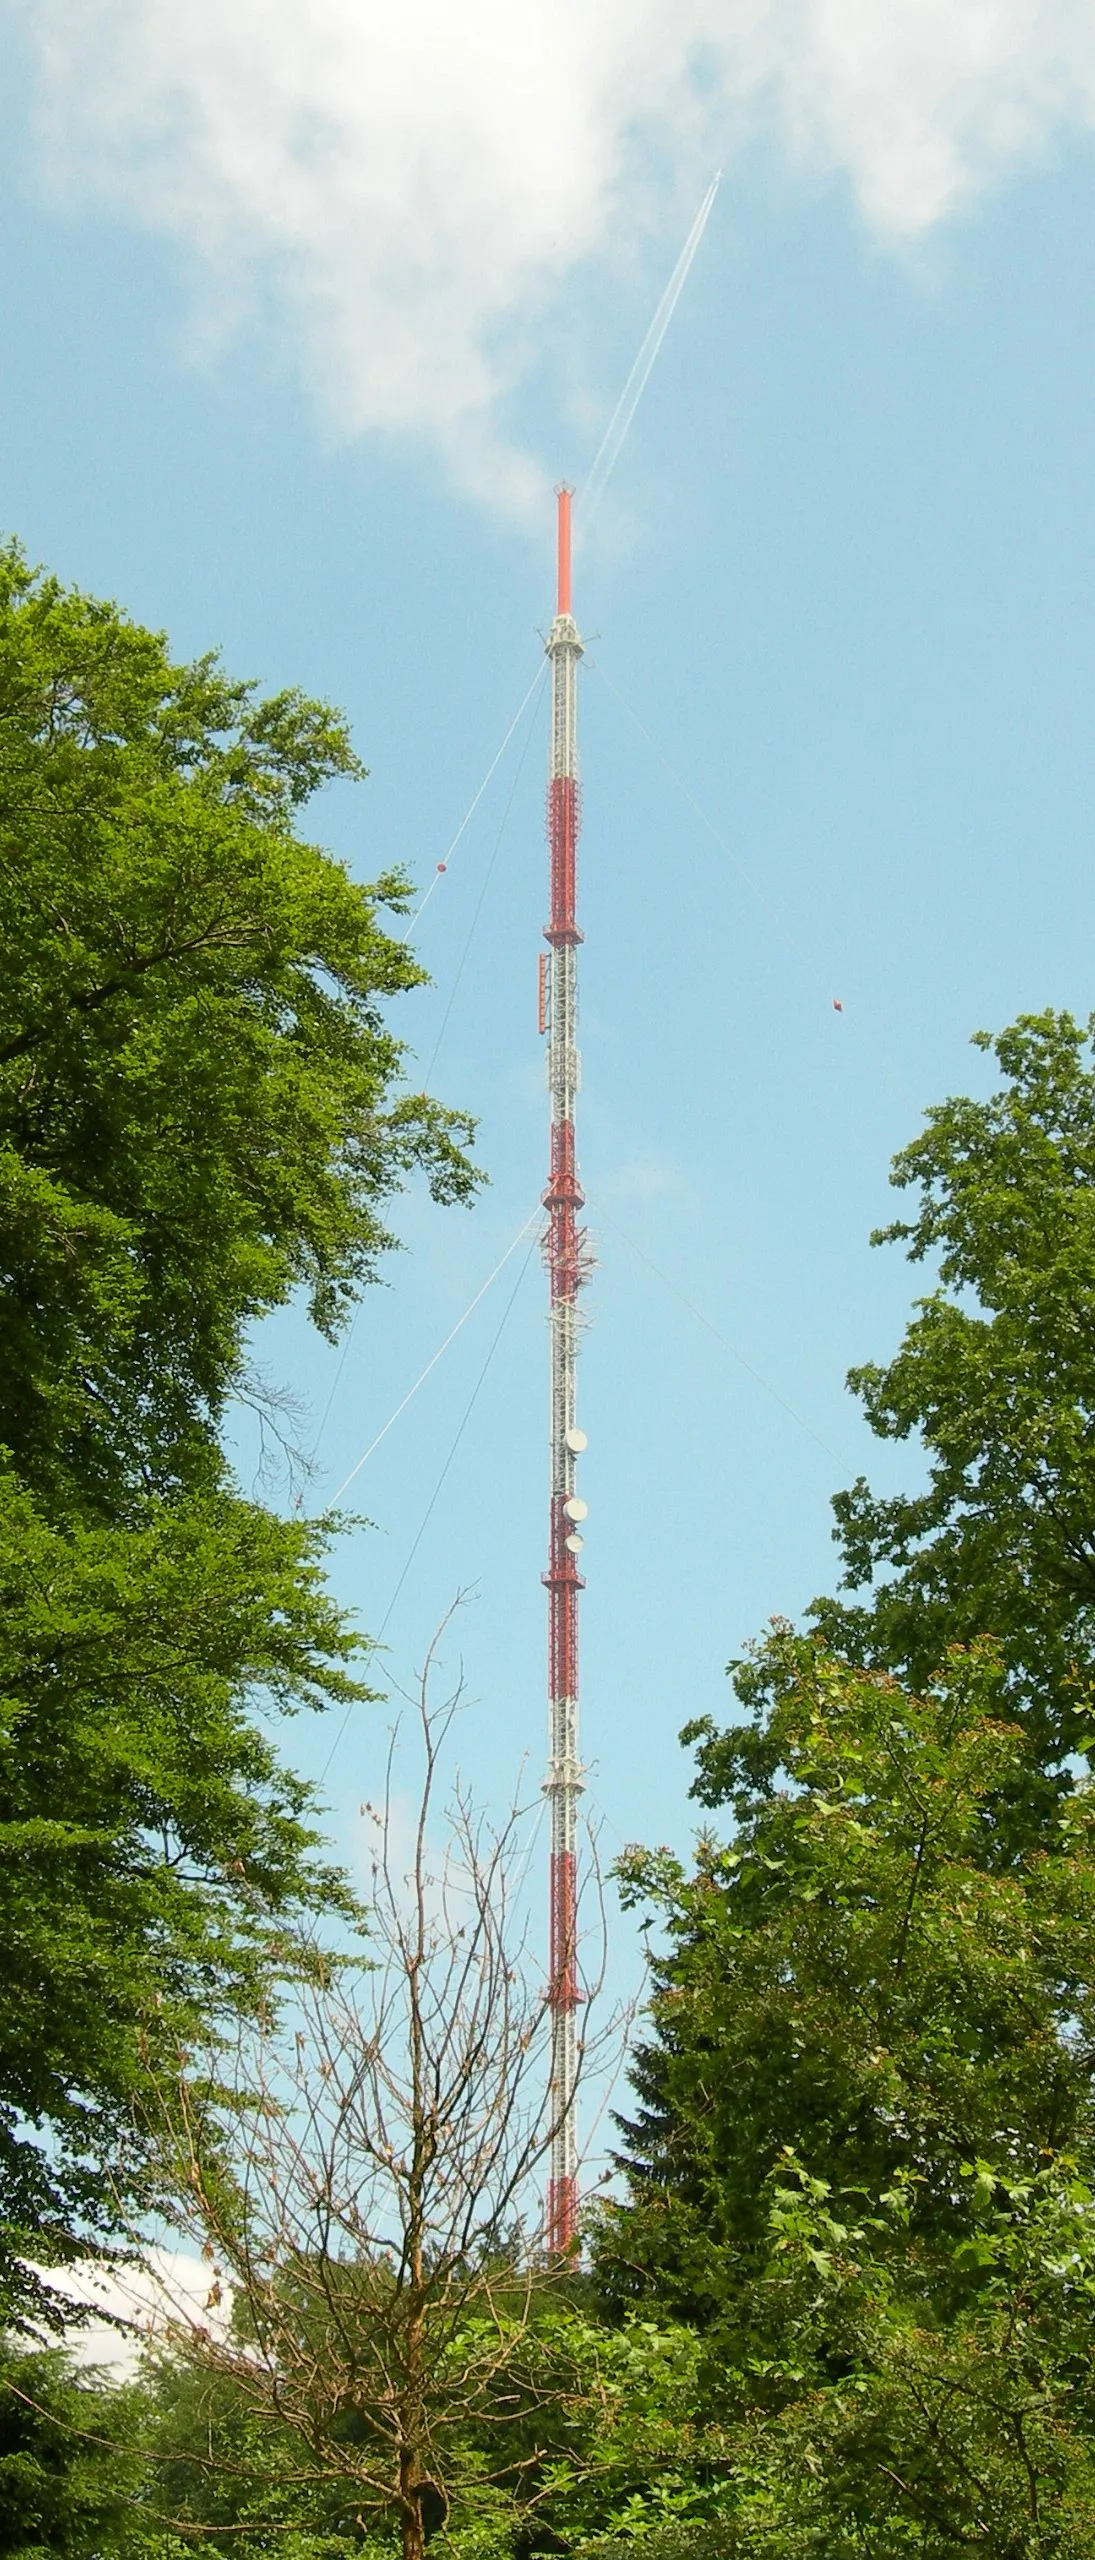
x=562 y=591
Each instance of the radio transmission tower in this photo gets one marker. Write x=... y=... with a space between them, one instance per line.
x=565 y=1253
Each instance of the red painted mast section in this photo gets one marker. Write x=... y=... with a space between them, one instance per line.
x=565 y=1256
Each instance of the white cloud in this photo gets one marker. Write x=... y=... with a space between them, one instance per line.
x=412 y=184
x=128 y=2306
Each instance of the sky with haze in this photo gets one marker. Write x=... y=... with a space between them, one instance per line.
x=305 y=310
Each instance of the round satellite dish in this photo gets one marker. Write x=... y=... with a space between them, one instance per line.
x=576 y=1509
x=576 y=1440
x=575 y=1544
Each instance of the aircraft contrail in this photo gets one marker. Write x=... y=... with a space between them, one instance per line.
x=590 y=494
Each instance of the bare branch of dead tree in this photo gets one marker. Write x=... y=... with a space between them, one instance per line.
x=366 y=2176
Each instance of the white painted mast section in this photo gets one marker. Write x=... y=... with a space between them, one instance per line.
x=565 y=1256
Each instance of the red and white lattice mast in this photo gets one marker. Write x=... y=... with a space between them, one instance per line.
x=565 y=1256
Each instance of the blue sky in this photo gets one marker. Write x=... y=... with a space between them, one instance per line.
x=843 y=579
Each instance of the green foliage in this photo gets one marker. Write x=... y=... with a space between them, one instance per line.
x=149 y=1837
x=995 y=1377
x=219 y=2473
x=198 y=1103
x=850 y=1977
x=156 y=2465
x=861 y=2164
x=638 y=2455
x=901 y=2431
x=861 y=2425
x=845 y=2307
x=72 y=2467
x=558 y=2426
x=201 y=1113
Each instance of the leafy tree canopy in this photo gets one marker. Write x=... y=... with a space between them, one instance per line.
x=861 y=2162
x=220 y=2474
x=202 y=1111
x=848 y=1978
x=996 y=1377
x=72 y=2475
x=200 y=1106
x=860 y=2166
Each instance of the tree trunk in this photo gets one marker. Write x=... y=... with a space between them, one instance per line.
x=412 y=2450
x=414 y=2540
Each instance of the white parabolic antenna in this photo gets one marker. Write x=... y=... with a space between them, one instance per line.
x=576 y=1509
x=576 y=1440
x=575 y=1543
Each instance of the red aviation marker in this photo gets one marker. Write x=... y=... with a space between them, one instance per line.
x=566 y=1263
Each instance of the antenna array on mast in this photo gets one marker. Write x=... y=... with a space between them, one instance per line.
x=565 y=1254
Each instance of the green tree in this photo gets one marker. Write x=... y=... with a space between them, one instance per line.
x=200 y=1100
x=202 y=1112
x=581 y=2428
x=996 y=1378
x=865 y=2422
x=860 y=2167
x=72 y=2469
x=848 y=1977
x=861 y=2162
x=884 y=2429
x=217 y=2473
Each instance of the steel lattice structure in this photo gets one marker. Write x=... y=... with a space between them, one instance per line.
x=565 y=1256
